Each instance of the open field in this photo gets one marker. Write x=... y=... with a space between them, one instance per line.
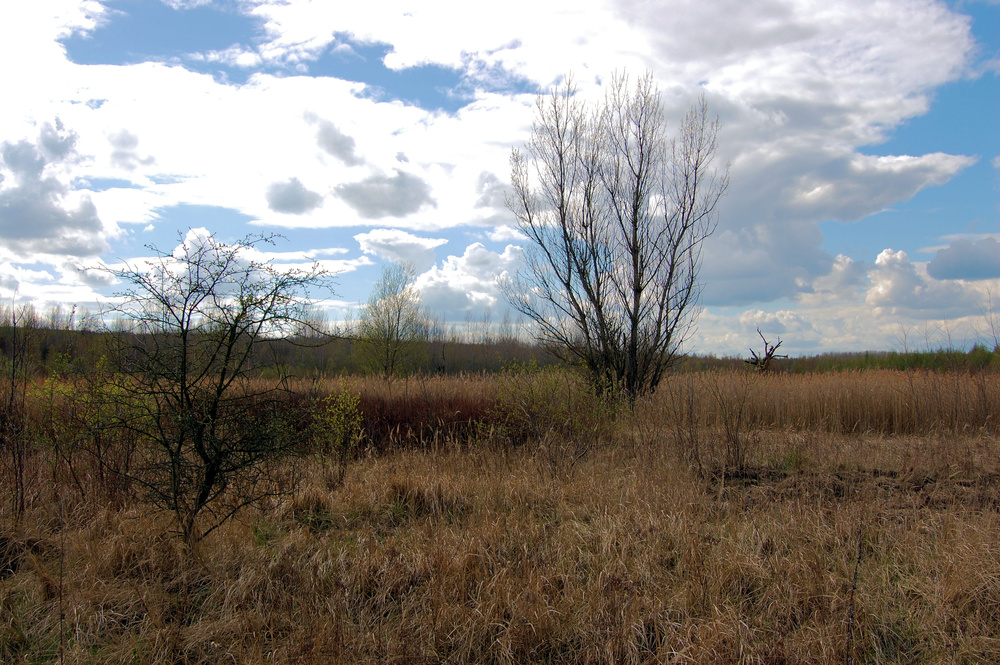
x=732 y=518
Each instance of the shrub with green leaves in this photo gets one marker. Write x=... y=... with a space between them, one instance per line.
x=337 y=430
x=78 y=422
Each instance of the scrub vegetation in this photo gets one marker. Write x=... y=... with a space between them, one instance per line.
x=734 y=516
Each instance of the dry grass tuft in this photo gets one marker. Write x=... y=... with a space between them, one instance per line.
x=472 y=551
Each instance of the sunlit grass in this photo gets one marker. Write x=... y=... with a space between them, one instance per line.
x=446 y=542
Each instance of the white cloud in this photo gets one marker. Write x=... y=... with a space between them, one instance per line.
x=11 y=276
x=955 y=237
x=465 y=286
x=185 y=4
x=492 y=191
x=853 y=328
x=853 y=188
x=842 y=284
x=760 y=262
x=900 y=287
x=92 y=276
x=779 y=322
x=769 y=243
x=506 y=233
x=473 y=37
x=800 y=85
x=400 y=246
x=857 y=307
x=234 y=56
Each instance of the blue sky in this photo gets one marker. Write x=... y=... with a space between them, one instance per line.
x=865 y=151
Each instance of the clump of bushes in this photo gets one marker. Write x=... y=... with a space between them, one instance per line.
x=555 y=410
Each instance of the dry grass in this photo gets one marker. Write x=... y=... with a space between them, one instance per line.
x=475 y=552
x=888 y=402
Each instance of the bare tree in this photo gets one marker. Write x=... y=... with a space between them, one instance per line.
x=194 y=329
x=762 y=362
x=392 y=324
x=616 y=214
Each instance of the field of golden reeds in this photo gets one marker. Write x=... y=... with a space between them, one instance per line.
x=730 y=518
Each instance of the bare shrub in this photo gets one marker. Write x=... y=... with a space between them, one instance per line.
x=556 y=411
x=733 y=394
x=195 y=323
x=681 y=397
x=16 y=334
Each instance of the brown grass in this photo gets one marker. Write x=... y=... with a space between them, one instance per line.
x=473 y=551
x=887 y=402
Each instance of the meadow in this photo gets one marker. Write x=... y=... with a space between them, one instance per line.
x=731 y=517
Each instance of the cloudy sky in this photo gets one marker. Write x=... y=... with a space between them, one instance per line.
x=864 y=204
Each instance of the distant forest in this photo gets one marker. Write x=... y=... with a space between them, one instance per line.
x=64 y=345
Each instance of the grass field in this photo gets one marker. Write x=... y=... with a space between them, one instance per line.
x=731 y=518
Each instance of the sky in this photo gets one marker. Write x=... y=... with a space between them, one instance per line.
x=863 y=139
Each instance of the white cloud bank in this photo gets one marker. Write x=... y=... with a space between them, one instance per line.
x=802 y=86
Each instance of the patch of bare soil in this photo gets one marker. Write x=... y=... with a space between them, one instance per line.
x=910 y=489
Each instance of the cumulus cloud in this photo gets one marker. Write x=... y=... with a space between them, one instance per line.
x=848 y=328
x=397 y=245
x=91 y=276
x=769 y=245
x=466 y=286
x=38 y=212
x=292 y=197
x=56 y=143
x=18 y=279
x=857 y=306
x=900 y=287
x=801 y=88
x=505 y=233
x=964 y=259
x=8 y=277
x=734 y=334
x=387 y=196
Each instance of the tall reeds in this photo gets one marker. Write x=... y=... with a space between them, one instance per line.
x=887 y=402
x=864 y=526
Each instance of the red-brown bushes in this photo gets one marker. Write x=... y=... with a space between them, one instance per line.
x=423 y=412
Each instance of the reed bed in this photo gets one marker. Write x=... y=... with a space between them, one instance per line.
x=854 y=533
x=888 y=402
